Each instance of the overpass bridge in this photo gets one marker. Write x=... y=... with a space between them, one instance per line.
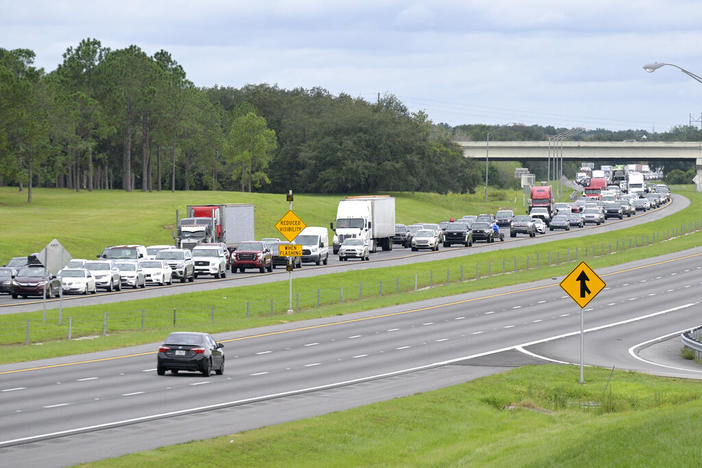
x=615 y=151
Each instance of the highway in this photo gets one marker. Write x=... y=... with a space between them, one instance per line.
x=398 y=256
x=73 y=409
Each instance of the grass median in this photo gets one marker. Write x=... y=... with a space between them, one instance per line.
x=127 y=323
x=531 y=416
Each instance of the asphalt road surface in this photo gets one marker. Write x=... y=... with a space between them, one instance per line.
x=398 y=256
x=80 y=408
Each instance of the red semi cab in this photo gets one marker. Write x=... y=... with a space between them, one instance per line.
x=541 y=196
x=594 y=190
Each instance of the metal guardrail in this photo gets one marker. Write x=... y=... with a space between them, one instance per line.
x=690 y=339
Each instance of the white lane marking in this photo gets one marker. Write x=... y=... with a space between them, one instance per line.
x=489 y=313
x=392 y=330
x=354 y=337
x=459 y=318
x=688 y=285
x=311 y=344
x=15 y=389
x=56 y=405
x=541 y=302
x=564 y=297
x=476 y=333
x=631 y=299
x=625 y=284
x=300 y=391
x=612 y=303
x=85 y=379
x=669 y=290
x=442 y=339
x=313 y=364
x=508 y=326
x=642 y=281
x=149 y=370
x=204 y=382
x=517 y=307
x=428 y=323
x=360 y=356
x=564 y=315
x=403 y=347
x=263 y=352
x=673 y=274
x=659 y=277
x=538 y=356
x=536 y=321
x=651 y=294
x=258 y=373
x=132 y=394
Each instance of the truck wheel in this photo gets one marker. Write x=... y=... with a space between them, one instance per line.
x=270 y=267
x=512 y=234
x=242 y=269
x=326 y=260
x=319 y=261
x=262 y=270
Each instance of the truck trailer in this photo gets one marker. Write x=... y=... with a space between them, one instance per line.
x=371 y=218
x=229 y=223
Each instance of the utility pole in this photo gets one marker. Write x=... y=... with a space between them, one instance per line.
x=487 y=150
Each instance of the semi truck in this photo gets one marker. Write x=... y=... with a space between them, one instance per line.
x=370 y=218
x=636 y=183
x=229 y=223
x=594 y=190
x=541 y=196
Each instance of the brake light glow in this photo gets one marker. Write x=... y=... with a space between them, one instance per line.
x=197 y=350
x=163 y=349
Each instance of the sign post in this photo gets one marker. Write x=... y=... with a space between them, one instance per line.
x=290 y=226
x=582 y=285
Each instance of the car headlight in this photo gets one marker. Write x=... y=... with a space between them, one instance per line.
x=180 y=265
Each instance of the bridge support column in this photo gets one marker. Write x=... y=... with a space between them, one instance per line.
x=698 y=177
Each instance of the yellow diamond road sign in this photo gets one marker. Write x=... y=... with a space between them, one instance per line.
x=290 y=225
x=289 y=250
x=582 y=284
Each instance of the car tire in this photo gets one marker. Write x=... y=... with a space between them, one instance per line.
x=195 y=275
x=318 y=262
x=224 y=273
x=119 y=286
x=512 y=234
x=182 y=278
x=414 y=249
x=85 y=293
x=14 y=296
x=220 y=371
x=109 y=287
x=270 y=267
x=532 y=234
x=242 y=269
x=207 y=368
x=174 y=371
x=192 y=278
x=160 y=370
x=262 y=269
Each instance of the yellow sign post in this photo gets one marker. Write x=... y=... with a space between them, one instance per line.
x=582 y=285
x=290 y=225
x=289 y=250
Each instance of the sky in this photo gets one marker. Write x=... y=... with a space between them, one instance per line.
x=567 y=63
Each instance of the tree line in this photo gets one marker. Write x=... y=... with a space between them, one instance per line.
x=107 y=119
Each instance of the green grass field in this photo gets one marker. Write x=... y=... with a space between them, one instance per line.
x=247 y=307
x=531 y=416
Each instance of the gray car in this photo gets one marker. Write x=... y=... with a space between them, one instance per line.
x=181 y=263
x=522 y=224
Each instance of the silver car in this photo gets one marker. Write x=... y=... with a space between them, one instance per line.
x=593 y=215
x=426 y=239
x=131 y=274
x=353 y=248
x=106 y=274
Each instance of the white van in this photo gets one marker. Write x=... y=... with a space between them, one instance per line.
x=315 y=244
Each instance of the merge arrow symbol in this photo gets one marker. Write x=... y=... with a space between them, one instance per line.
x=583 y=278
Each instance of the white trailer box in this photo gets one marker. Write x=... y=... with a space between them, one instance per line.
x=371 y=218
x=237 y=224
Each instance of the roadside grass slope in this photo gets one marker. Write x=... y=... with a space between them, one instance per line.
x=531 y=416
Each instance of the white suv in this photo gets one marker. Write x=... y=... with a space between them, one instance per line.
x=210 y=260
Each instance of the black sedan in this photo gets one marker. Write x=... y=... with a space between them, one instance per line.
x=33 y=281
x=191 y=351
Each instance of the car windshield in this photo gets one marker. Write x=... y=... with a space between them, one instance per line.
x=155 y=250
x=504 y=214
x=539 y=210
x=477 y=226
x=521 y=219
x=75 y=264
x=118 y=253
x=31 y=272
x=126 y=266
x=250 y=246
x=456 y=227
x=349 y=223
x=193 y=234
x=400 y=229
x=185 y=339
x=17 y=262
x=170 y=255
x=591 y=211
x=431 y=226
x=424 y=233
x=97 y=266
x=353 y=241
x=307 y=239
x=151 y=264
x=5 y=273
x=414 y=229
x=559 y=218
x=73 y=274
x=205 y=253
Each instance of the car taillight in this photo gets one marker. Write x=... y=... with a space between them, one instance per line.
x=163 y=349
x=197 y=350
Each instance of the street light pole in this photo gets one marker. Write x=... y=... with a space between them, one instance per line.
x=656 y=65
x=487 y=149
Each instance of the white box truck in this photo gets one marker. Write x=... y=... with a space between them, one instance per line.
x=371 y=218
x=635 y=182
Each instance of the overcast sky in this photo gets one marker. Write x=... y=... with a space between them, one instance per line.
x=564 y=63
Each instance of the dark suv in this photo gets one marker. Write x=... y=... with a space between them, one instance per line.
x=458 y=233
x=252 y=254
x=504 y=217
x=402 y=235
x=482 y=231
